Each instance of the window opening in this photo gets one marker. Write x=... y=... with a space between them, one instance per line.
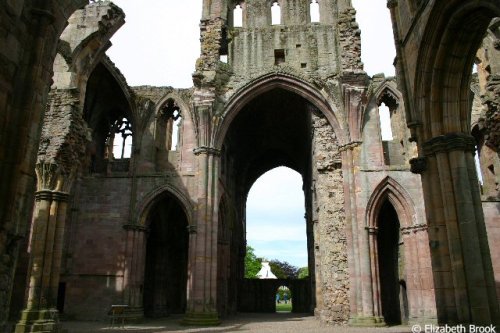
x=314 y=11
x=275 y=14
x=385 y=122
x=279 y=56
x=223 y=58
x=478 y=167
x=120 y=139
x=171 y=115
x=238 y=17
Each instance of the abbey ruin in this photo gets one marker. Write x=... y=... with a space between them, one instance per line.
x=398 y=230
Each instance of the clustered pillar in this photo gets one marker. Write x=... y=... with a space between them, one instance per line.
x=459 y=247
x=40 y=314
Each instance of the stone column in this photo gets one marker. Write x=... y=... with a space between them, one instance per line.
x=202 y=280
x=465 y=286
x=40 y=314
x=135 y=254
x=363 y=309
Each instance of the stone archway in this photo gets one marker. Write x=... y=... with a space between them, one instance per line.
x=401 y=282
x=282 y=121
x=436 y=84
x=166 y=259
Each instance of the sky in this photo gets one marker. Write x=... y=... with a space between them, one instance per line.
x=159 y=45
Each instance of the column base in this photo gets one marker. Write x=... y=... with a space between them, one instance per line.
x=368 y=321
x=201 y=319
x=39 y=321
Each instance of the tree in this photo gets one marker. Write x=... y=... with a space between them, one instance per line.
x=303 y=272
x=252 y=263
x=283 y=270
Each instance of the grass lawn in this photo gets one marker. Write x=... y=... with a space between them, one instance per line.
x=282 y=307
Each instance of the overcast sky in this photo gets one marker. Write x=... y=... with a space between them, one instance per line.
x=159 y=45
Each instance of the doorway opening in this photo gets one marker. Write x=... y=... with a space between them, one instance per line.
x=283 y=299
x=391 y=265
x=165 y=279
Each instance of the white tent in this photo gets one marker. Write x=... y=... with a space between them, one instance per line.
x=265 y=272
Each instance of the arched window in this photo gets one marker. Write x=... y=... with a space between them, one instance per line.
x=238 y=16
x=385 y=122
x=275 y=14
x=119 y=140
x=314 y=11
x=168 y=126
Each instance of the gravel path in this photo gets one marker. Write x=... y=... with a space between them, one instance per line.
x=249 y=322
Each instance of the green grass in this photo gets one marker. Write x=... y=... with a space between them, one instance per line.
x=282 y=307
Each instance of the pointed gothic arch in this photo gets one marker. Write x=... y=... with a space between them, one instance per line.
x=284 y=81
x=398 y=255
x=389 y=189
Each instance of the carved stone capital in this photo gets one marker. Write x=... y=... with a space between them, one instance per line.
x=48 y=195
x=207 y=150
x=60 y=196
x=47 y=175
x=372 y=230
x=192 y=229
x=418 y=165
x=449 y=142
x=135 y=227
x=350 y=145
x=414 y=228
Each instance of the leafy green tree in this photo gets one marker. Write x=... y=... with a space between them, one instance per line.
x=252 y=263
x=303 y=272
x=277 y=270
x=283 y=270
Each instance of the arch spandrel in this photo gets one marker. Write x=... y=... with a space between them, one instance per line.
x=144 y=206
x=389 y=189
x=288 y=82
x=441 y=82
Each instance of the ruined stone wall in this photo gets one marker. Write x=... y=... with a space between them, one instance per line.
x=330 y=245
x=29 y=30
x=93 y=262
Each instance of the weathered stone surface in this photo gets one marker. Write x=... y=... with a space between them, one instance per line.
x=329 y=225
x=291 y=94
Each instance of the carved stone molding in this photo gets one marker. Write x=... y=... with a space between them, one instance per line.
x=372 y=230
x=48 y=195
x=414 y=228
x=449 y=142
x=207 y=150
x=135 y=227
x=192 y=229
x=350 y=145
x=418 y=165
